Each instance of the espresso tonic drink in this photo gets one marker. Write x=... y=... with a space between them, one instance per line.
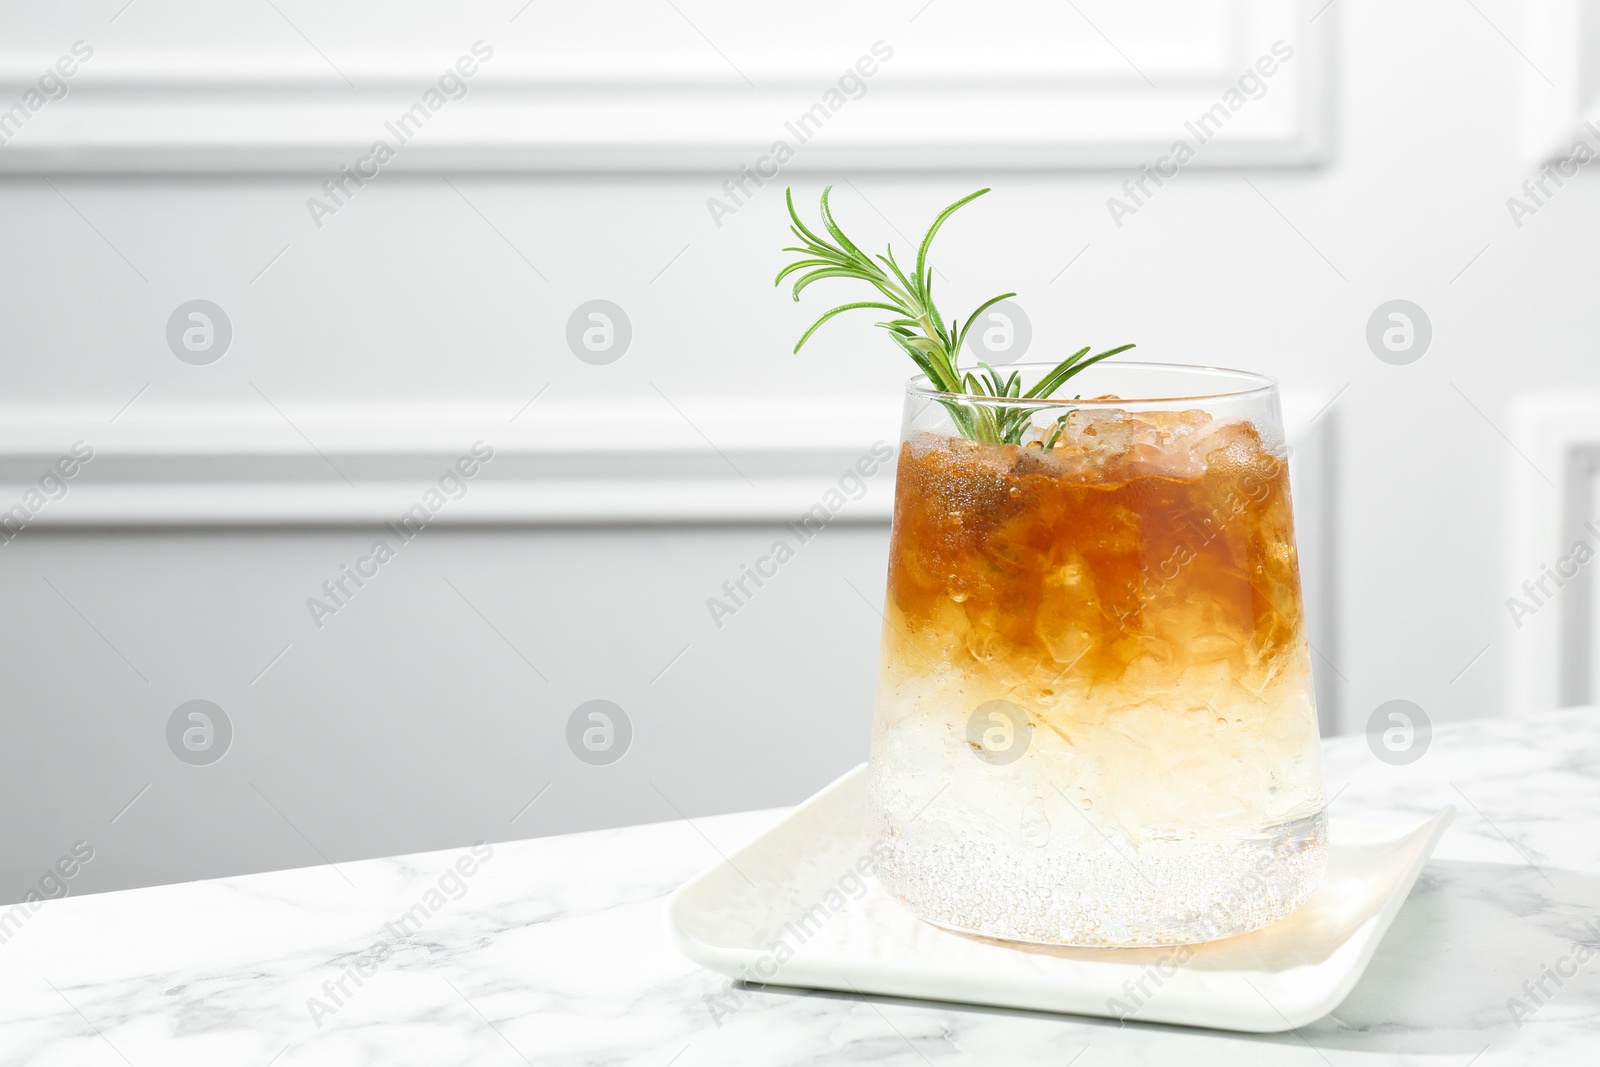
x=1095 y=722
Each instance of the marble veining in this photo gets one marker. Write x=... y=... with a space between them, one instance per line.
x=555 y=951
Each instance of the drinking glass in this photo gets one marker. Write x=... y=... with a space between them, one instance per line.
x=1095 y=722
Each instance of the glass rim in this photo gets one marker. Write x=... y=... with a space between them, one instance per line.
x=1253 y=383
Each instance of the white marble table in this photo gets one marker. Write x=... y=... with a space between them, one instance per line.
x=555 y=951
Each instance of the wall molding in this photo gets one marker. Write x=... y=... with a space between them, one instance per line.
x=1553 y=660
x=567 y=462
x=942 y=102
x=1563 y=45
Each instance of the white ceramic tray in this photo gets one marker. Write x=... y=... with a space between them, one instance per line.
x=792 y=909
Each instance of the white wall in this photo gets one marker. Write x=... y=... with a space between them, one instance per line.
x=438 y=298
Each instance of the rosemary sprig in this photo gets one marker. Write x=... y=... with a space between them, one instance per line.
x=919 y=330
